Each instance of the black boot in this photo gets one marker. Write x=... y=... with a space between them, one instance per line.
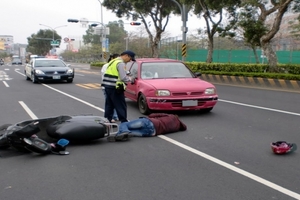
x=120 y=137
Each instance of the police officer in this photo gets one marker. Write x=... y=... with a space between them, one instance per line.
x=114 y=82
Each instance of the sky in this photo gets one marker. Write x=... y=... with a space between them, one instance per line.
x=21 y=18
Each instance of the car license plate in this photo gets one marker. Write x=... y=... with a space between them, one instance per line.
x=189 y=103
x=56 y=77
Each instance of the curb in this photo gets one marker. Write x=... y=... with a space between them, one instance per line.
x=253 y=81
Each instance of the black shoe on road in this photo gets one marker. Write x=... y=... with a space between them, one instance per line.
x=119 y=137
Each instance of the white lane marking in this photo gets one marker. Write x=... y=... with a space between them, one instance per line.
x=79 y=75
x=4 y=82
x=233 y=168
x=4 y=76
x=259 y=107
x=77 y=99
x=30 y=113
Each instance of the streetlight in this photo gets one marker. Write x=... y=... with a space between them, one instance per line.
x=101 y=11
x=53 y=30
x=103 y=36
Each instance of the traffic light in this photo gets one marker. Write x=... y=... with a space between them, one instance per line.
x=73 y=20
x=135 y=23
x=94 y=25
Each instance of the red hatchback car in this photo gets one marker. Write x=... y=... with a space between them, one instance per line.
x=166 y=84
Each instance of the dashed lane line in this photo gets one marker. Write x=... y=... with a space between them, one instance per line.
x=89 y=85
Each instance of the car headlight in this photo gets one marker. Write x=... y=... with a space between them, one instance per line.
x=70 y=71
x=38 y=71
x=210 y=91
x=163 y=93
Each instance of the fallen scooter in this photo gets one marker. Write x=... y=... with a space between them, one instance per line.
x=52 y=135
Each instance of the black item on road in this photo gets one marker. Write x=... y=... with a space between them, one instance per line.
x=52 y=135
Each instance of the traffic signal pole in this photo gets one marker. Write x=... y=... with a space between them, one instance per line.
x=102 y=34
x=184 y=29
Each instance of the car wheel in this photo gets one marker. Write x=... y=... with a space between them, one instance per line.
x=70 y=81
x=143 y=106
x=33 y=79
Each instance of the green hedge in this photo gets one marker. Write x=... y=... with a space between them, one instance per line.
x=232 y=67
x=97 y=64
x=291 y=71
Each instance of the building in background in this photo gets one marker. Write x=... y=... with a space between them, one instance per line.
x=6 y=42
x=8 y=46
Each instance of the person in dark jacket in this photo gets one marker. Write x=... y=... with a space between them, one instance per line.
x=153 y=125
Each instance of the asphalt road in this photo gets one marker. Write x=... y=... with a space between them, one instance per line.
x=224 y=155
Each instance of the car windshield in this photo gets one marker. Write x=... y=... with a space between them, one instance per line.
x=165 y=70
x=49 y=63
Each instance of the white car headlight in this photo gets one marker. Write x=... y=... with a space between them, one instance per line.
x=163 y=93
x=210 y=91
x=38 y=71
x=70 y=71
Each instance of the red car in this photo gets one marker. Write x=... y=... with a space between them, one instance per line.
x=166 y=84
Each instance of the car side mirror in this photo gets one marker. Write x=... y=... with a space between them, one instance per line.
x=198 y=74
x=133 y=80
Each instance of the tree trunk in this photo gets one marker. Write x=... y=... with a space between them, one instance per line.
x=155 y=50
x=210 y=51
x=154 y=44
x=271 y=56
x=255 y=54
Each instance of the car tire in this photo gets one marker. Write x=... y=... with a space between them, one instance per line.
x=143 y=106
x=33 y=79
x=70 y=81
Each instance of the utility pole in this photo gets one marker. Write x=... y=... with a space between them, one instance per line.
x=184 y=29
x=103 y=35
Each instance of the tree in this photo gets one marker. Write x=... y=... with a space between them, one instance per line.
x=157 y=10
x=116 y=36
x=252 y=29
x=90 y=37
x=277 y=8
x=295 y=26
x=39 y=43
x=214 y=12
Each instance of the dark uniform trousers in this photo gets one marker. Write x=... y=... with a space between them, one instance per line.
x=115 y=99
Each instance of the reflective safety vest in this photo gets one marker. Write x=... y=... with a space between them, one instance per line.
x=111 y=77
